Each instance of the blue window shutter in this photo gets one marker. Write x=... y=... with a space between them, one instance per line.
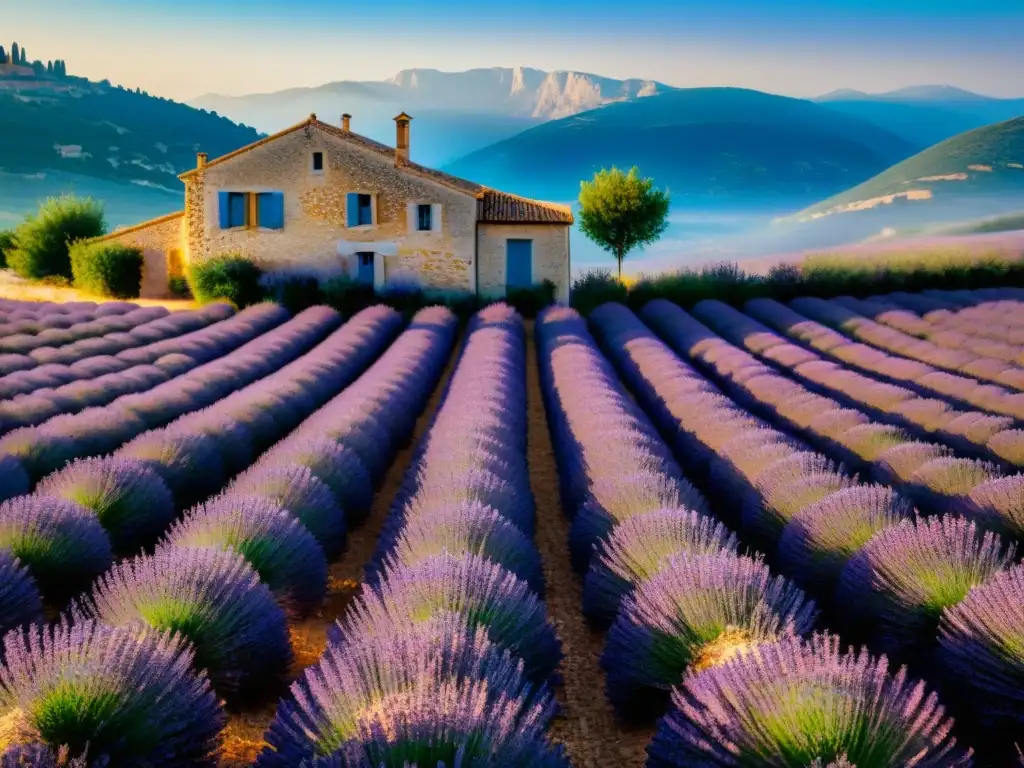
x=225 y=210
x=270 y=210
x=236 y=209
x=352 y=209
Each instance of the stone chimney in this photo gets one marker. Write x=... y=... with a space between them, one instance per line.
x=402 y=138
x=201 y=158
x=346 y=122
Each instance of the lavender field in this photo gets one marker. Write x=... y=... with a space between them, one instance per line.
x=774 y=535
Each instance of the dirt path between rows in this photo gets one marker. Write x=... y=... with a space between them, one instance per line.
x=587 y=725
x=243 y=737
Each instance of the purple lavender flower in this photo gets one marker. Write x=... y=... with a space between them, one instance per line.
x=697 y=612
x=299 y=491
x=898 y=464
x=212 y=598
x=20 y=602
x=234 y=440
x=999 y=505
x=614 y=498
x=980 y=648
x=37 y=755
x=277 y=545
x=131 y=502
x=189 y=463
x=817 y=543
x=14 y=479
x=61 y=544
x=945 y=484
x=903 y=578
x=38 y=452
x=784 y=489
x=639 y=547
x=338 y=467
x=468 y=528
x=1008 y=445
x=477 y=486
x=421 y=697
x=796 y=701
x=480 y=591
x=128 y=696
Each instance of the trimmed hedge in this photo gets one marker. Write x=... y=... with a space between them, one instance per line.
x=107 y=269
x=43 y=241
x=823 y=276
x=230 y=277
x=6 y=244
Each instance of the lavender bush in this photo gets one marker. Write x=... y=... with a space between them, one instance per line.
x=20 y=602
x=124 y=696
x=796 y=702
x=213 y=599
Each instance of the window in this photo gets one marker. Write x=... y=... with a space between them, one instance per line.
x=365 y=209
x=237 y=210
x=365 y=259
x=250 y=210
x=423 y=218
x=318 y=161
x=360 y=209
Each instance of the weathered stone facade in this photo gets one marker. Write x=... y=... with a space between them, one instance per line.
x=162 y=242
x=550 y=255
x=470 y=223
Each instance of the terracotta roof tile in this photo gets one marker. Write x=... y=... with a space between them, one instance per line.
x=505 y=208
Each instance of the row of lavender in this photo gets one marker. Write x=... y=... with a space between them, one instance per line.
x=215 y=576
x=32 y=397
x=686 y=600
x=961 y=361
x=99 y=430
x=984 y=322
x=444 y=657
x=928 y=473
x=893 y=579
x=972 y=433
x=910 y=375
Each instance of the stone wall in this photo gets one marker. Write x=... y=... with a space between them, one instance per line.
x=158 y=239
x=550 y=255
x=315 y=235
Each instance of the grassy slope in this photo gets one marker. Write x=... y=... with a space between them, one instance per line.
x=994 y=145
x=717 y=143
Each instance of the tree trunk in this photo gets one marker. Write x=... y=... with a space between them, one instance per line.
x=618 y=258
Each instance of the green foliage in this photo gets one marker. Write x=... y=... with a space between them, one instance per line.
x=823 y=275
x=529 y=301
x=6 y=245
x=178 y=286
x=620 y=211
x=45 y=238
x=293 y=292
x=594 y=288
x=107 y=269
x=229 y=277
x=346 y=295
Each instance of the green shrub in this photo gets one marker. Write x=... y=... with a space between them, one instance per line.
x=346 y=295
x=44 y=240
x=529 y=301
x=107 y=269
x=6 y=244
x=292 y=291
x=594 y=288
x=230 y=277
x=178 y=287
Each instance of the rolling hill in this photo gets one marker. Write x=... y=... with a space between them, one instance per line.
x=924 y=114
x=454 y=112
x=985 y=163
x=99 y=139
x=727 y=145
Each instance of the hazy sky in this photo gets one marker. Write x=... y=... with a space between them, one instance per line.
x=185 y=48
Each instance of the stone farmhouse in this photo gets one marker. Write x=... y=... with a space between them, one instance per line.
x=319 y=197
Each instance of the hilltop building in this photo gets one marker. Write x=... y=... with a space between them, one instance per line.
x=318 y=196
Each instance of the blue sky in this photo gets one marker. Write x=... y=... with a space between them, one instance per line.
x=185 y=48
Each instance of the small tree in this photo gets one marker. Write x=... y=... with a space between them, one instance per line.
x=43 y=241
x=15 y=54
x=6 y=245
x=3 y=55
x=49 y=67
x=620 y=211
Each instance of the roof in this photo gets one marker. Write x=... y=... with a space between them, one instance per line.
x=136 y=227
x=495 y=206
